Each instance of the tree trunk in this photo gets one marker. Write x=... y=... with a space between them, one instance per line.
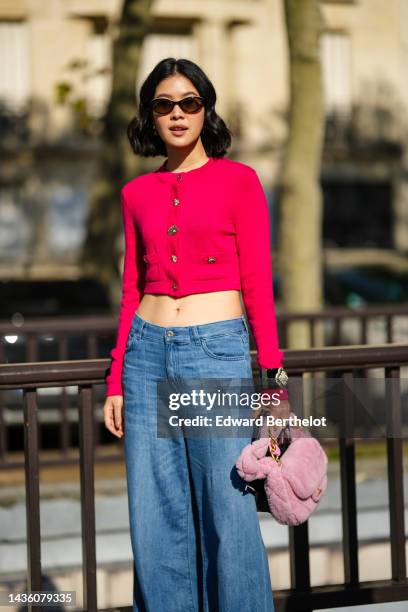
x=102 y=250
x=300 y=200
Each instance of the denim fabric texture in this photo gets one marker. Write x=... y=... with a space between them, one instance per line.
x=195 y=533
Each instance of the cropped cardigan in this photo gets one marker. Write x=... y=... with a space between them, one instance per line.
x=202 y=230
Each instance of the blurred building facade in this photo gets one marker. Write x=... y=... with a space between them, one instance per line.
x=56 y=49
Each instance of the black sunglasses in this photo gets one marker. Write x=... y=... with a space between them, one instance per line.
x=190 y=105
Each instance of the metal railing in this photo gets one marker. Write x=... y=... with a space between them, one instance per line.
x=301 y=596
x=95 y=329
x=92 y=337
x=335 y=319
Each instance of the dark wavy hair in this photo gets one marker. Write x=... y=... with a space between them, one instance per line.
x=215 y=135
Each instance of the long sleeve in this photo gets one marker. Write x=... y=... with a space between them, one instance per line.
x=132 y=291
x=254 y=250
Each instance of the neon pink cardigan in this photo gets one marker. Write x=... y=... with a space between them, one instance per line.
x=202 y=230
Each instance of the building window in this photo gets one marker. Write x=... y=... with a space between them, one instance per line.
x=336 y=69
x=14 y=67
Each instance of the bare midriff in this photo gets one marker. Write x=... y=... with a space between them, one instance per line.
x=193 y=309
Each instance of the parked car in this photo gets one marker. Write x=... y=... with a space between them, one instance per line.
x=49 y=298
x=52 y=299
x=358 y=286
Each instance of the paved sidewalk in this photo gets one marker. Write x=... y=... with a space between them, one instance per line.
x=61 y=518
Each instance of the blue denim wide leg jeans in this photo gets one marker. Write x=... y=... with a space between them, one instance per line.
x=195 y=531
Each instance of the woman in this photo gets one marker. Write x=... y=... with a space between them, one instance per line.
x=196 y=235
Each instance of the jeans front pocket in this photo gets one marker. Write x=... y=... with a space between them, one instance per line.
x=225 y=346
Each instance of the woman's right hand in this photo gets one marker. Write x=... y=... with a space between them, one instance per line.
x=113 y=415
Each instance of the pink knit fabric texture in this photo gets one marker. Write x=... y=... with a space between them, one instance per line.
x=203 y=230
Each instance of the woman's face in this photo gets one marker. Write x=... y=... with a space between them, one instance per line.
x=177 y=87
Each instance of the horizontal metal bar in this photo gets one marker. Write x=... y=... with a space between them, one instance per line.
x=107 y=323
x=92 y=371
x=336 y=595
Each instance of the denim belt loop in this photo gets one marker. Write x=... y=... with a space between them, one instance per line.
x=195 y=336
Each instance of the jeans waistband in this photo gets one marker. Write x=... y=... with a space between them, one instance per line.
x=142 y=328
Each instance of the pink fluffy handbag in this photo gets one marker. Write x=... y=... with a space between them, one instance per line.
x=294 y=474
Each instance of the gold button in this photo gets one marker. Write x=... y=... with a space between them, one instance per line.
x=174 y=257
x=169 y=332
x=211 y=259
x=176 y=201
x=174 y=286
x=172 y=229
